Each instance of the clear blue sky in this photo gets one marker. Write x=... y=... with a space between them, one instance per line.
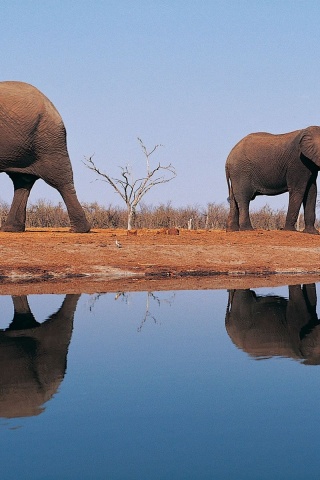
x=195 y=76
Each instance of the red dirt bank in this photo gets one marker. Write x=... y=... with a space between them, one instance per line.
x=56 y=261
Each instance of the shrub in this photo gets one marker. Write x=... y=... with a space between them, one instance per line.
x=214 y=217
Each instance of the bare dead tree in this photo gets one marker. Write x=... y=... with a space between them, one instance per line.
x=133 y=190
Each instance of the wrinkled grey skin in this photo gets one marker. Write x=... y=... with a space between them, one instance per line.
x=267 y=326
x=32 y=146
x=33 y=357
x=266 y=164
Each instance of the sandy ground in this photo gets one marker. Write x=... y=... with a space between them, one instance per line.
x=56 y=261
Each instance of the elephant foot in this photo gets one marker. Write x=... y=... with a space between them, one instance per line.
x=311 y=230
x=7 y=227
x=232 y=228
x=84 y=229
x=246 y=228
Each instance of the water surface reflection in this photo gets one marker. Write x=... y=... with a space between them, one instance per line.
x=271 y=325
x=33 y=357
x=156 y=389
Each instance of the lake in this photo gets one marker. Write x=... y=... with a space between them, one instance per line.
x=161 y=385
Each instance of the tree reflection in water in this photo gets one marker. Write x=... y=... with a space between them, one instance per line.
x=33 y=357
x=267 y=326
x=151 y=300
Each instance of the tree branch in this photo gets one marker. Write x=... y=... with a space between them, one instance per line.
x=130 y=190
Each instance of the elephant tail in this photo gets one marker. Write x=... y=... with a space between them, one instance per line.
x=229 y=184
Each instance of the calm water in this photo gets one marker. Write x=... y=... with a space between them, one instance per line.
x=169 y=385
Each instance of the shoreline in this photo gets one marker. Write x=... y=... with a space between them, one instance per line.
x=56 y=261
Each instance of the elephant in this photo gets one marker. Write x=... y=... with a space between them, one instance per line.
x=267 y=326
x=33 y=357
x=32 y=146
x=267 y=164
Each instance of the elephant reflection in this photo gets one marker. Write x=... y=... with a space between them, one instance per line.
x=33 y=357
x=266 y=326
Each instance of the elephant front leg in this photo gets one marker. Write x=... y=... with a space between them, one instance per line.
x=295 y=201
x=309 y=205
x=16 y=219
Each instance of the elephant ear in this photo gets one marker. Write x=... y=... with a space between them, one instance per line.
x=310 y=144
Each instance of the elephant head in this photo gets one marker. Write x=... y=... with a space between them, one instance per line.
x=310 y=144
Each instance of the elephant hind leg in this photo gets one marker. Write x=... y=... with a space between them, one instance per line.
x=244 y=218
x=56 y=171
x=79 y=223
x=16 y=219
x=233 y=217
x=243 y=201
x=239 y=199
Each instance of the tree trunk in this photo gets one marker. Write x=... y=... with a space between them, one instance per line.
x=131 y=217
